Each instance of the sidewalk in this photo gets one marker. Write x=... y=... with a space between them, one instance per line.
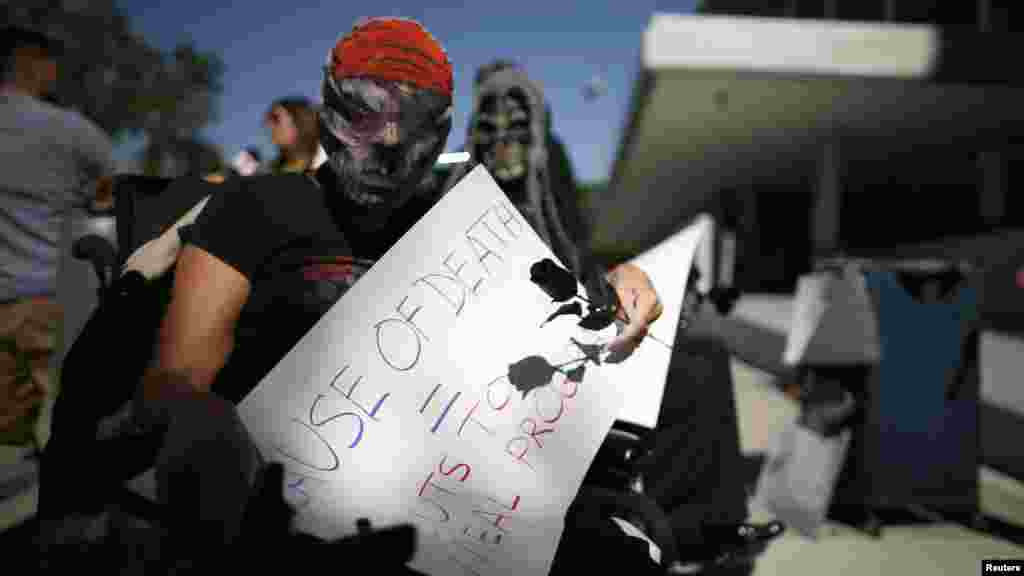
x=925 y=550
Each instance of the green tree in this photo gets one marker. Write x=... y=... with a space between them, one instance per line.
x=189 y=83
x=124 y=84
x=587 y=191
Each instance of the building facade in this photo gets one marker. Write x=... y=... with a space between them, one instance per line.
x=856 y=204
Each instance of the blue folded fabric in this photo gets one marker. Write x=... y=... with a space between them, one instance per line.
x=925 y=437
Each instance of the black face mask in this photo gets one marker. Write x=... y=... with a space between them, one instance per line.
x=381 y=140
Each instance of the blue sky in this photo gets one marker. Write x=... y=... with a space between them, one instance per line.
x=273 y=49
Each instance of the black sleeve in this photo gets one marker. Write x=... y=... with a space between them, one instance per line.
x=567 y=194
x=574 y=220
x=244 y=223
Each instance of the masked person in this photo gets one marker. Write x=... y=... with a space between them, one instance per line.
x=510 y=133
x=258 y=268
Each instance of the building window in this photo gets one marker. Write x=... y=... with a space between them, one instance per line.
x=908 y=200
x=945 y=13
x=775 y=249
x=810 y=8
x=957 y=14
x=861 y=10
x=1014 y=174
x=919 y=12
x=1006 y=16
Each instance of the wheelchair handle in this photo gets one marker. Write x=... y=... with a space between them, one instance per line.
x=98 y=252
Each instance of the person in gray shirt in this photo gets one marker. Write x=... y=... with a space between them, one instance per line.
x=52 y=161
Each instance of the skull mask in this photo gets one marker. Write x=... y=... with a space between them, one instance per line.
x=501 y=135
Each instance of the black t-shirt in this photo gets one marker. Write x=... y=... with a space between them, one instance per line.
x=297 y=241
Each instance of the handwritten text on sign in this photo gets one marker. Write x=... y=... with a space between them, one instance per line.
x=402 y=405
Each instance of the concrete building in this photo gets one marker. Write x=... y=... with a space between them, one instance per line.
x=816 y=127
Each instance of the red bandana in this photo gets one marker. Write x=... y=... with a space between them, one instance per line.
x=393 y=49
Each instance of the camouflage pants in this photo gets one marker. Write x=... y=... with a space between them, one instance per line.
x=29 y=336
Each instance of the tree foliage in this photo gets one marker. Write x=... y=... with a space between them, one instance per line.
x=116 y=78
x=588 y=190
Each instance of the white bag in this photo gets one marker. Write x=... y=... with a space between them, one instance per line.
x=798 y=478
x=834 y=322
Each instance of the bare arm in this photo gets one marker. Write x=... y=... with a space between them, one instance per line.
x=197 y=333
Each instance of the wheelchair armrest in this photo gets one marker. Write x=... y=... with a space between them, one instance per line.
x=99 y=252
x=94 y=248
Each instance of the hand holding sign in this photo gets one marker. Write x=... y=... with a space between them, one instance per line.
x=666 y=269
x=640 y=308
x=636 y=307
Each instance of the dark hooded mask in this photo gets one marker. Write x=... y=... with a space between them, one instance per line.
x=501 y=134
x=510 y=133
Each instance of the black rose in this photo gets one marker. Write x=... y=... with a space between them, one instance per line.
x=555 y=281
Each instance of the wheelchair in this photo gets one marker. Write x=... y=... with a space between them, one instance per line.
x=92 y=439
x=96 y=391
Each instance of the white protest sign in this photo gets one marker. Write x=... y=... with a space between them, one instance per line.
x=668 y=266
x=430 y=394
